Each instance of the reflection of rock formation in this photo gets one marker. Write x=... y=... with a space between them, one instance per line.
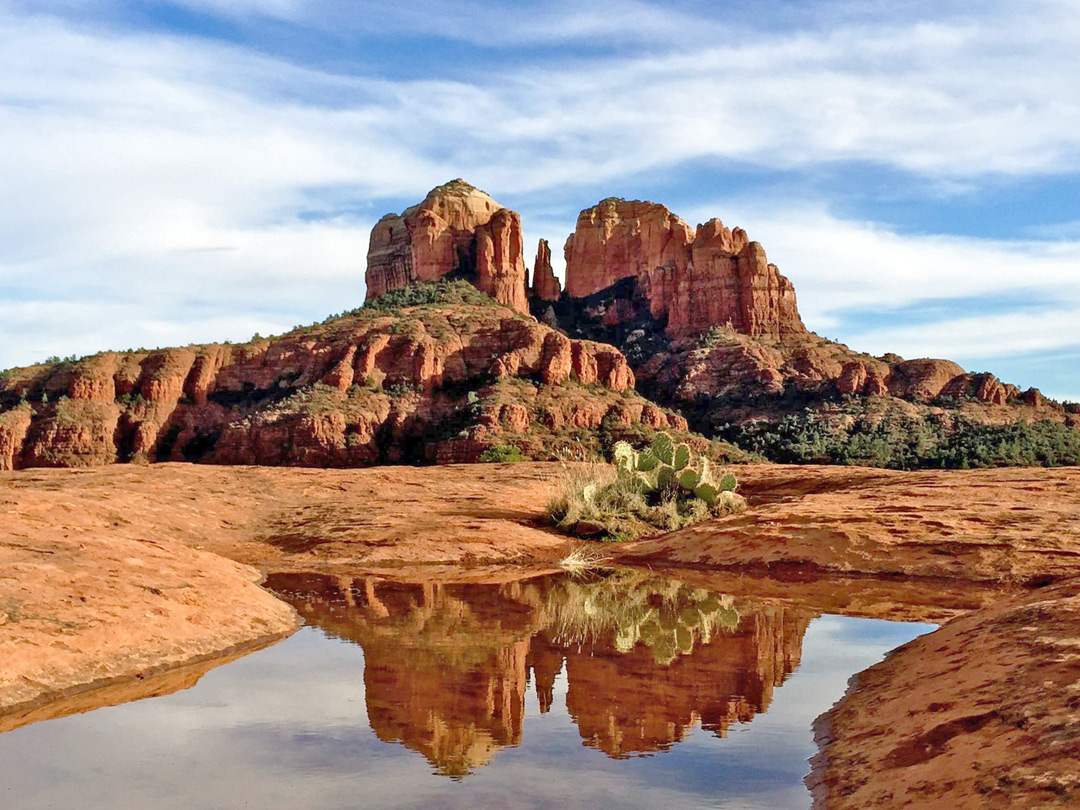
x=630 y=703
x=446 y=666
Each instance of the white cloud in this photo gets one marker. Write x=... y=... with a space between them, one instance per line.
x=128 y=159
x=980 y=336
x=990 y=298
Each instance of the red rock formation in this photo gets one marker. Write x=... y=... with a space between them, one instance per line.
x=546 y=286
x=985 y=388
x=695 y=279
x=922 y=380
x=500 y=264
x=629 y=704
x=358 y=390
x=619 y=239
x=14 y=426
x=456 y=229
x=1033 y=397
x=446 y=666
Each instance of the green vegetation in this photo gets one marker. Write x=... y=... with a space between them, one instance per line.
x=427 y=294
x=130 y=400
x=664 y=487
x=435 y=293
x=906 y=442
x=501 y=453
x=54 y=360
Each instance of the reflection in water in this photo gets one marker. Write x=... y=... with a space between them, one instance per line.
x=646 y=658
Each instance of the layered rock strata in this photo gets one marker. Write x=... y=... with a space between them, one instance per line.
x=431 y=383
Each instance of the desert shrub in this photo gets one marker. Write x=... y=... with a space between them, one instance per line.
x=904 y=442
x=664 y=487
x=435 y=293
x=131 y=399
x=501 y=453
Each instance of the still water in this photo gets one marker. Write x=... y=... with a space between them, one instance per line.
x=615 y=691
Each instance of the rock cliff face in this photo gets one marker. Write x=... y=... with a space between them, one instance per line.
x=707 y=322
x=692 y=278
x=546 y=286
x=695 y=318
x=700 y=313
x=457 y=230
x=432 y=383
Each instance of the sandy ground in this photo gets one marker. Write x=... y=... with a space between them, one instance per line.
x=128 y=581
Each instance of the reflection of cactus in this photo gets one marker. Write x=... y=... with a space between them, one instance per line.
x=629 y=608
x=665 y=466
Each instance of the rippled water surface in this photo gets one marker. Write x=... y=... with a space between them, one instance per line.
x=621 y=691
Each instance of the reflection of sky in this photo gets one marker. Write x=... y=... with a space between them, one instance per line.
x=287 y=728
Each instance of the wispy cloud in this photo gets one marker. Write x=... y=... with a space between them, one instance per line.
x=991 y=298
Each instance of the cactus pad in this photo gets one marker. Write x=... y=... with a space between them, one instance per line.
x=681 y=456
x=689 y=478
x=625 y=457
x=647 y=461
x=707 y=493
x=665 y=477
x=646 y=482
x=663 y=448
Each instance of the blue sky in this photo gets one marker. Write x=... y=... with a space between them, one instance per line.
x=196 y=170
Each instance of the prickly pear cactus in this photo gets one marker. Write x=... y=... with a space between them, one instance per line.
x=665 y=478
x=681 y=456
x=647 y=460
x=689 y=478
x=626 y=459
x=664 y=448
x=667 y=466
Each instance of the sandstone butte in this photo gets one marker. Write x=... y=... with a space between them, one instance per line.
x=699 y=312
x=696 y=315
x=456 y=231
x=693 y=278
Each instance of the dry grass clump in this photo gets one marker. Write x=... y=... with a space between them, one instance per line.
x=584 y=558
x=593 y=500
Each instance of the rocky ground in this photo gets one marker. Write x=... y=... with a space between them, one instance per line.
x=1017 y=525
x=118 y=573
x=981 y=714
x=111 y=575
